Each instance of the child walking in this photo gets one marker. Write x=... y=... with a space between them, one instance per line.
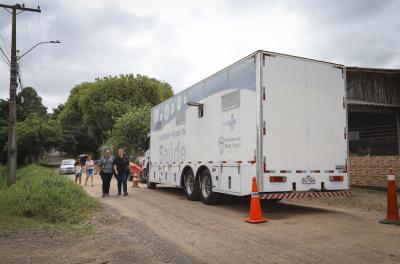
x=78 y=171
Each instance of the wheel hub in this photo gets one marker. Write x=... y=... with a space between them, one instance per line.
x=206 y=186
x=189 y=183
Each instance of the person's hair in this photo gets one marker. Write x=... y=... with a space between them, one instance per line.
x=107 y=149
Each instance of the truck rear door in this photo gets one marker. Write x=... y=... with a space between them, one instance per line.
x=304 y=124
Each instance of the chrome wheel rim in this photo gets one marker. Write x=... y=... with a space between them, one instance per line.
x=189 y=183
x=206 y=186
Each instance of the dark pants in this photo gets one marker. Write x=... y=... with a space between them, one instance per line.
x=106 y=178
x=123 y=179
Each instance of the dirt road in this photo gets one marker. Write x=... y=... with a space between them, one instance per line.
x=162 y=226
x=300 y=232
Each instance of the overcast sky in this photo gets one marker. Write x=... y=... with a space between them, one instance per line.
x=182 y=42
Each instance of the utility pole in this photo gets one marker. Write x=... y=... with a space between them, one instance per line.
x=12 y=115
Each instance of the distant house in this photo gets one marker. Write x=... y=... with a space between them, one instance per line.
x=373 y=105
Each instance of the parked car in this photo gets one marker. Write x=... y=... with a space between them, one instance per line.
x=67 y=166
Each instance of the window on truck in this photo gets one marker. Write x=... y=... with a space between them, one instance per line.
x=230 y=100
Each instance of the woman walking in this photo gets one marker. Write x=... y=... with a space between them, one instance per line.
x=89 y=167
x=105 y=166
x=121 y=165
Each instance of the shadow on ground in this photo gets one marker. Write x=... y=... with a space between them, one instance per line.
x=275 y=210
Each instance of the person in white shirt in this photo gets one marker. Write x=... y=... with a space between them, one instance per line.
x=89 y=168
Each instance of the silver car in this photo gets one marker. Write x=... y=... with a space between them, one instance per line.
x=67 y=166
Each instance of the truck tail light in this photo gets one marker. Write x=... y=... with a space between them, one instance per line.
x=277 y=178
x=336 y=178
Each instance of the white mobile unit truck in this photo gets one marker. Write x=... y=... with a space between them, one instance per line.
x=277 y=117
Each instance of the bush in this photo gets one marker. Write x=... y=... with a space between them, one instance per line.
x=43 y=194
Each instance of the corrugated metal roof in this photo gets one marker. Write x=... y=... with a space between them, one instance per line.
x=364 y=103
x=365 y=69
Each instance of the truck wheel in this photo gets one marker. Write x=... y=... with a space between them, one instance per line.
x=191 y=186
x=206 y=193
x=142 y=177
x=151 y=185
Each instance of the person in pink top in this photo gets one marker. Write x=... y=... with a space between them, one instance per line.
x=136 y=169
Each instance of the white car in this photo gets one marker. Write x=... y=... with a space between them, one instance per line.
x=67 y=166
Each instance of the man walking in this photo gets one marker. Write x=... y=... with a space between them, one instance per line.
x=105 y=165
x=121 y=169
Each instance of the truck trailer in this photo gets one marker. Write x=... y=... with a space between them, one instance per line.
x=278 y=117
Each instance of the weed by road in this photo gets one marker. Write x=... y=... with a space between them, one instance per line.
x=43 y=196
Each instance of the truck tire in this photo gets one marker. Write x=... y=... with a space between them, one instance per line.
x=142 y=177
x=206 y=193
x=191 y=186
x=151 y=185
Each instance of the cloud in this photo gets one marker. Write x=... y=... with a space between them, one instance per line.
x=182 y=42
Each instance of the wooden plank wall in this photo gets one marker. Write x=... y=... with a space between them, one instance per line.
x=380 y=86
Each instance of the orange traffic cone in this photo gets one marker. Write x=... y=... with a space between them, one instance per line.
x=392 y=209
x=255 y=207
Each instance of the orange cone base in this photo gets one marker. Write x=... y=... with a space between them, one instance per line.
x=251 y=221
x=390 y=222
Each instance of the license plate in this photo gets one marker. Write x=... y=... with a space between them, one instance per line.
x=308 y=180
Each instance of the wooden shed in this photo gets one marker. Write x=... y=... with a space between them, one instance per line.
x=373 y=105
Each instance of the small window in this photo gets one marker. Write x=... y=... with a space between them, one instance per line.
x=230 y=100
x=180 y=117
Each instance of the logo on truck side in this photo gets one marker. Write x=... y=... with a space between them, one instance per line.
x=308 y=180
x=231 y=122
x=221 y=145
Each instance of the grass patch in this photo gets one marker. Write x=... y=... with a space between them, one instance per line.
x=45 y=197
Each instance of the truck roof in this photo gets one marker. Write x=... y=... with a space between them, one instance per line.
x=268 y=53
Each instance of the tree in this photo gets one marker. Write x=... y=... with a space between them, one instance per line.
x=31 y=103
x=93 y=108
x=57 y=110
x=3 y=130
x=130 y=130
x=35 y=135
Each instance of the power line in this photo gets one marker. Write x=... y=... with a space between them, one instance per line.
x=40 y=35
x=63 y=70
x=5 y=57
x=4 y=39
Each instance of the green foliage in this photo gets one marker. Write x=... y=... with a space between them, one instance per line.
x=32 y=132
x=92 y=109
x=42 y=194
x=57 y=110
x=32 y=104
x=130 y=130
x=3 y=130
x=36 y=135
x=2 y=177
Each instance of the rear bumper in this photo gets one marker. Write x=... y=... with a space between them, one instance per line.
x=293 y=195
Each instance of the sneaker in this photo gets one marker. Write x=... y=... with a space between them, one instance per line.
x=125 y=194
x=119 y=193
x=105 y=195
